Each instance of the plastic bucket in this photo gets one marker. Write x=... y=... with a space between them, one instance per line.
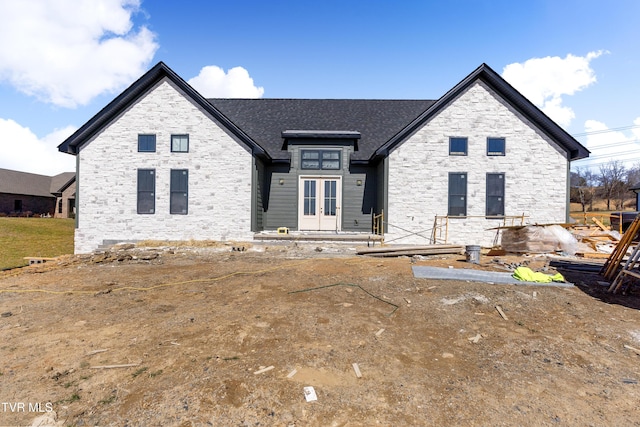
x=473 y=254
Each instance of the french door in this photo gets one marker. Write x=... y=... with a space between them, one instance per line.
x=319 y=204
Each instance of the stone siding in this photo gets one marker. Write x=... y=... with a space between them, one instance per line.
x=219 y=198
x=535 y=171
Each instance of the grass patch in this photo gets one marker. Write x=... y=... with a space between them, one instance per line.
x=74 y=398
x=34 y=237
x=139 y=372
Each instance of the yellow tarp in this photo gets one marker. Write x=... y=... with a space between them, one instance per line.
x=528 y=275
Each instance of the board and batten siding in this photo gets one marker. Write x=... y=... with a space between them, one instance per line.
x=535 y=170
x=220 y=172
x=281 y=206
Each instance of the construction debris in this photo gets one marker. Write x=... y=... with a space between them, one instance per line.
x=263 y=370
x=310 y=394
x=475 y=339
x=356 y=369
x=504 y=316
x=628 y=347
x=128 y=365
x=538 y=239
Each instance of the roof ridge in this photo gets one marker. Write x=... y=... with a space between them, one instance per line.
x=323 y=99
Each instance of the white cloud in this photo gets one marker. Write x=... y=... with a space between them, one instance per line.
x=607 y=144
x=213 y=82
x=22 y=150
x=544 y=81
x=66 y=52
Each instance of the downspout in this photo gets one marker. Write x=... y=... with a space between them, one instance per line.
x=385 y=194
x=77 y=200
x=254 y=194
x=568 y=194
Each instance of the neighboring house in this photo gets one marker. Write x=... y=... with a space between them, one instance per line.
x=162 y=162
x=29 y=194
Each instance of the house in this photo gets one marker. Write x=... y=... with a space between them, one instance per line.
x=28 y=194
x=161 y=162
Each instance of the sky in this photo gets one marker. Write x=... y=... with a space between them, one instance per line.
x=62 y=61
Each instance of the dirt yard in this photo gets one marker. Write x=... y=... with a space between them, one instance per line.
x=217 y=337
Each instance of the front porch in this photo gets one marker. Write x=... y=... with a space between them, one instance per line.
x=319 y=236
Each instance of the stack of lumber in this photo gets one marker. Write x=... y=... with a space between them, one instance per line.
x=538 y=239
x=391 y=251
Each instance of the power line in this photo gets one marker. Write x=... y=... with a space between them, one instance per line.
x=596 y=132
x=616 y=144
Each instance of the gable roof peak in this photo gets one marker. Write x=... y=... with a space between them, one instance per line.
x=138 y=89
x=510 y=95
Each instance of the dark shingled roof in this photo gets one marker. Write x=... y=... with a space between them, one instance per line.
x=60 y=182
x=30 y=184
x=381 y=124
x=264 y=120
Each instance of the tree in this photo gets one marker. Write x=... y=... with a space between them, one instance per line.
x=582 y=188
x=612 y=182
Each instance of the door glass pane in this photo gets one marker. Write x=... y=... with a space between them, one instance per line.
x=330 y=188
x=309 y=197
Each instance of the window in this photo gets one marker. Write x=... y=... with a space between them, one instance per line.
x=146 y=143
x=17 y=205
x=496 y=146
x=457 y=194
x=146 y=191
x=60 y=205
x=495 y=194
x=458 y=146
x=320 y=159
x=179 y=191
x=180 y=143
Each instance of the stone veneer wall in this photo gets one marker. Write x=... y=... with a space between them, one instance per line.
x=219 y=201
x=535 y=171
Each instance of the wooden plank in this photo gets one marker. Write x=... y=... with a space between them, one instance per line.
x=102 y=350
x=384 y=249
x=618 y=254
x=631 y=273
x=128 y=365
x=504 y=316
x=599 y=224
x=260 y=371
x=416 y=252
x=356 y=368
x=593 y=255
x=628 y=347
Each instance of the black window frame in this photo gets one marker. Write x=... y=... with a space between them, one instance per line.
x=146 y=143
x=495 y=199
x=458 y=139
x=456 y=190
x=180 y=135
x=146 y=191
x=501 y=152
x=176 y=187
x=323 y=163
